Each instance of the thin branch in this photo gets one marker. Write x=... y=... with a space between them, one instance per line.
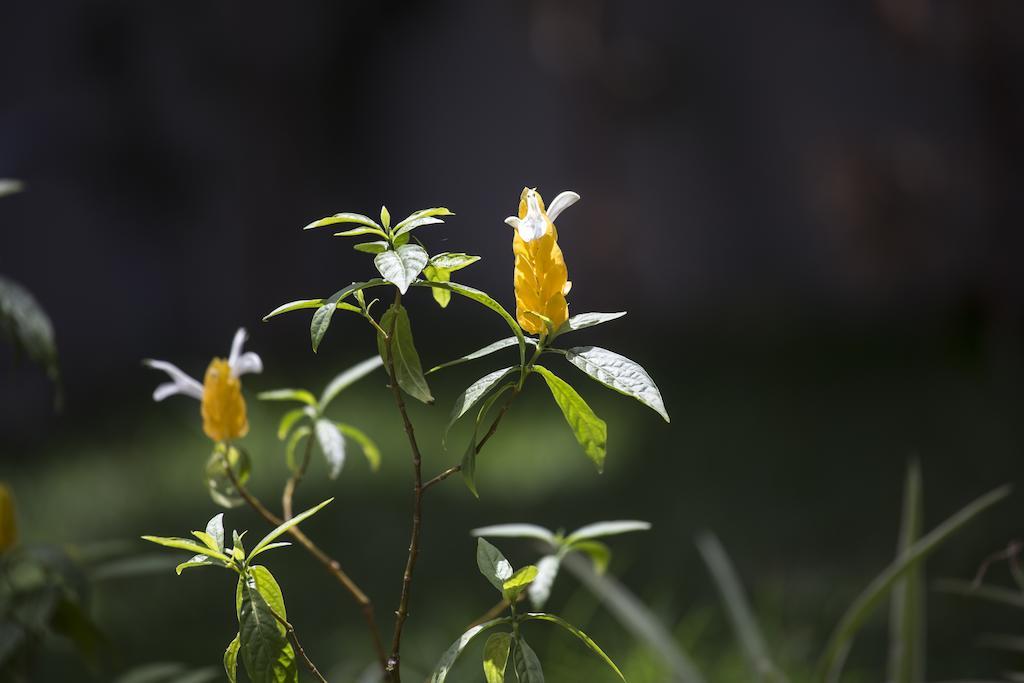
x=392 y=667
x=298 y=646
x=329 y=563
x=495 y=611
x=293 y=481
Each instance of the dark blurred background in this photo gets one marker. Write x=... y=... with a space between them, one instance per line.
x=810 y=210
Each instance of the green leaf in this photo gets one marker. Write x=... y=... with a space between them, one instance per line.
x=543 y=616
x=480 y=353
x=185 y=544
x=997 y=594
x=345 y=217
x=385 y=217
x=618 y=373
x=347 y=378
x=407 y=368
x=264 y=647
x=484 y=299
x=219 y=485
x=600 y=529
x=422 y=213
x=599 y=553
x=468 y=466
x=356 y=232
x=231 y=659
x=207 y=540
x=583 y=320
x=238 y=549
x=371 y=247
x=10 y=186
x=442 y=296
x=526 y=664
x=401 y=266
x=831 y=663
x=332 y=445
x=293 y=444
x=447 y=661
x=907 y=604
x=516 y=531
x=472 y=395
x=370 y=449
x=515 y=584
x=318 y=303
x=412 y=225
x=288 y=421
x=195 y=561
x=496 y=651
x=302 y=516
x=492 y=564
x=26 y=325
x=738 y=609
x=452 y=261
x=215 y=529
x=300 y=395
x=591 y=431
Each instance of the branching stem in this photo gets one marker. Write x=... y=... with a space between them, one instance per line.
x=298 y=646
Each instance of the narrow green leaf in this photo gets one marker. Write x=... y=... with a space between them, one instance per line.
x=831 y=662
x=195 y=561
x=231 y=659
x=423 y=213
x=185 y=544
x=370 y=449
x=452 y=261
x=484 y=299
x=302 y=304
x=480 y=353
x=207 y=540
x=516 y=583
x=516 y=531
x=496 y=651
x=371 y=247
x=401 y=266
x=301 y=517
x=293 y=444
x=543 y=616
x=412 y=225
x=288 y=421
x=347 y=378
x=444 y=666
x=238 y=549
x=599 y=553
x=345 y=217
x=215 y=528
x=300 y=395
x=613 y=528
x=526 y=664
x=748 y=633
x=332 y=445
x=472 y=395
x=468 y=466
x=907 y=604
x=583 y=320
x=385 y=217
x=357 y=232
x=591 y=431
x=997 y=594
x=619 y=373
x=407 y=367
x=492 y=564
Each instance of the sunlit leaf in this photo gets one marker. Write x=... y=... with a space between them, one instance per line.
x=407 y=368
x=215 y=528
x=346 y=217
x=347 y=378
x=480 y=353
x=492 y=564
x=591 y=431
x=401 y=266
x=318 y=303
x=300 y=395
x=385 y=217
x=516 y=531
x=599 y=553
x=332 y=444
x=419 y=222
x=543 y=616
x=297 y=519
x=599 y=529
x=583 y=320
x=444 y=666
x=370 y=449
x=231 y=659
x=288 y=421
x=515 y=584
x=185 y=544
x=293 y=444
x=452 y=261
x=619 y=373
x=371 y=247
x=264 y=647
x=422 y=213
x=496 y=651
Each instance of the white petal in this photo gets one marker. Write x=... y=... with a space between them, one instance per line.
x=246 y=363
x=180 y=382
x=236 y=346
x=513 y=221
x=561 y=203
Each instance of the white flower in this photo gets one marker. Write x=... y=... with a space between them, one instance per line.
x=535 y=222
x=240 y=364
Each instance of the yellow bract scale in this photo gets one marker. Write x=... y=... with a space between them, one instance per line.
x=541 y=278
x=223 y=408
x=8 y=521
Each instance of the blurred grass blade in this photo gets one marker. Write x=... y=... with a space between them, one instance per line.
x=743 y=622
x=1003 y=596
x=907 y=605
x=831 y=662
x=636 y=617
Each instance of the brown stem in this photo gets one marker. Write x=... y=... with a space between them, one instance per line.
x=293 y=482
x=490 y=432
x=329 y=563
x=393 y=667
x=298 y=646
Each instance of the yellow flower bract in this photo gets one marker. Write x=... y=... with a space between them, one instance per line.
x=8 y=521
x=223 y=409
x=541 y=278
